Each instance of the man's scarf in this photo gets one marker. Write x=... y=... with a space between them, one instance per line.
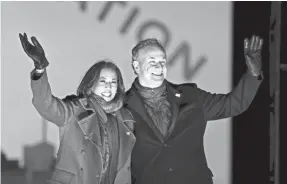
x=156 y=104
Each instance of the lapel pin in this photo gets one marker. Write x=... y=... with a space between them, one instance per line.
x=177 y=94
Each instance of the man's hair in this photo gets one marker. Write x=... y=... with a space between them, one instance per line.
x=143 y=44
x=92 y=76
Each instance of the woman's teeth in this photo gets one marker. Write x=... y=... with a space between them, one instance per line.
x=106 y=94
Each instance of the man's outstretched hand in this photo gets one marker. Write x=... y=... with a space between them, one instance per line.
x=34 y=51
x=252 y=53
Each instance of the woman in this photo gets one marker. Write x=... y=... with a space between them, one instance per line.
x=95 y=131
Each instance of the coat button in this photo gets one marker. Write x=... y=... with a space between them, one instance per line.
x=83 y=152
x=166 y=145
x=97 y=175
x=128 y=133
x=170 y=169
x=86 y=137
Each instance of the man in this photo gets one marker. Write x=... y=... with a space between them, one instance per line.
x=171 y=119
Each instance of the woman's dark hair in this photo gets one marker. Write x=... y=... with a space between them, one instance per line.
x=92 y=76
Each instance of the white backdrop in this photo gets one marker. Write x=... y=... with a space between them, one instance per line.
x=74 y=38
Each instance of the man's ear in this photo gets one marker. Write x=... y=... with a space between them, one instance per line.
x=136 y=66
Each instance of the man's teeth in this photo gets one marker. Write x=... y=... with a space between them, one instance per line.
x=157 y=74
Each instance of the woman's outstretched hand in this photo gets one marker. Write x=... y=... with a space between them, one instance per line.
x=34 y=51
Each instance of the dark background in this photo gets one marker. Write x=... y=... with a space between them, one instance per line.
x=251 y=129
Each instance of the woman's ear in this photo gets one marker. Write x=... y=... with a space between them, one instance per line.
x=89 y=91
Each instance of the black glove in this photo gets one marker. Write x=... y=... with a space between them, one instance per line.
x=252 y=53
x=35 y=52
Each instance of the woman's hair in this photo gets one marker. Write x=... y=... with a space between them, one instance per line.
x=92 y=76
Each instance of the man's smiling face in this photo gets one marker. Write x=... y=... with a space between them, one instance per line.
x=151 y=66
